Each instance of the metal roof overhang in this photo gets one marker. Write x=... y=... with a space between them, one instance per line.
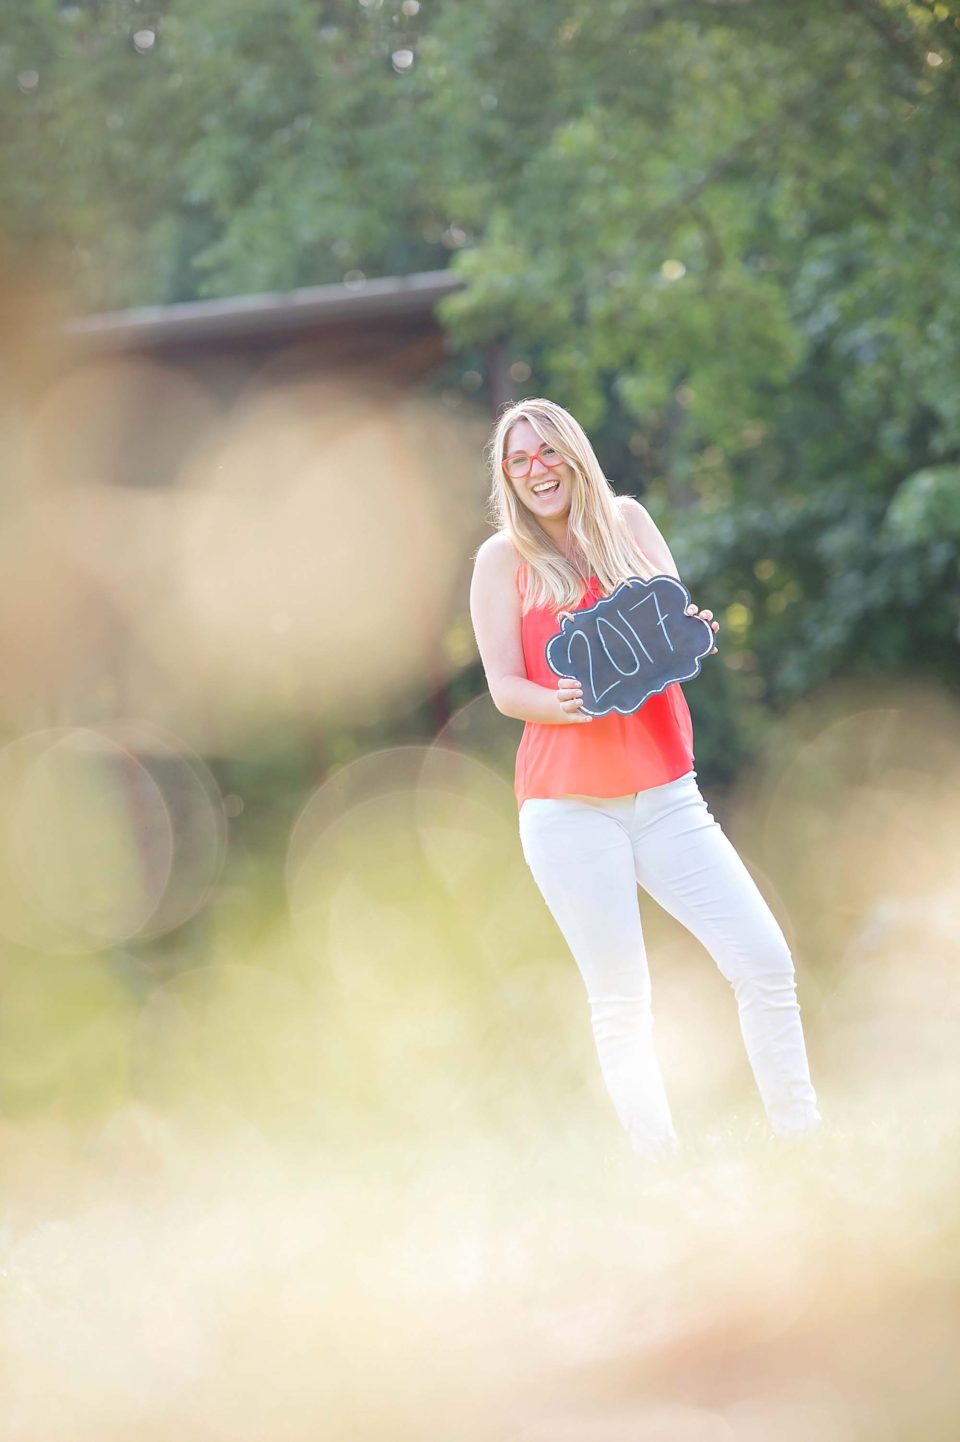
x=270 y=312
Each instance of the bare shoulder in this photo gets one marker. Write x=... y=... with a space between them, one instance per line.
x=631 y=506
x=647 y=534
x=497 y=553
x=636 y=515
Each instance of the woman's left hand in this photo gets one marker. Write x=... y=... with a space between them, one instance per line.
x=693 y=610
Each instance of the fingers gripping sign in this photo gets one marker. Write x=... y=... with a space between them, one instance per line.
x=569 y=689
x=704 y=616
x=570 y=696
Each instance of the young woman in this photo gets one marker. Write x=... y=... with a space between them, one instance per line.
x=607 y=802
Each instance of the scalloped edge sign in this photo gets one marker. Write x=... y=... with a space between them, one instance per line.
x=614 y=648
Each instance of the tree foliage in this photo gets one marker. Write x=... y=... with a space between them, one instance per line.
x=721 y=231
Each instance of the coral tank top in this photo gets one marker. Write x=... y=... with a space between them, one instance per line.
x=611 y=755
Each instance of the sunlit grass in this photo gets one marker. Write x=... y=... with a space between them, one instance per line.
x=349 y=1169
x=354 y=1174
x=196 y=1284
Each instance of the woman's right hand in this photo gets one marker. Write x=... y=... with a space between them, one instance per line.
x=570 y=699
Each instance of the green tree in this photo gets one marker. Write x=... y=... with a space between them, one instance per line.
x=720 y=231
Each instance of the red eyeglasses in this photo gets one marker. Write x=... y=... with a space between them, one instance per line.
x=520 y=464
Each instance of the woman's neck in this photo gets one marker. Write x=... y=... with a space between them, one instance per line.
x=568 y=548
x=572 y=553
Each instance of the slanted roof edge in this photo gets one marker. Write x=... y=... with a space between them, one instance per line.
x=249 y=314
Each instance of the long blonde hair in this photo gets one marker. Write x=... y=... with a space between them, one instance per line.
x=600 y=535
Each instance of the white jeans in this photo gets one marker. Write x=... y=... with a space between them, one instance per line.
x=587 y=855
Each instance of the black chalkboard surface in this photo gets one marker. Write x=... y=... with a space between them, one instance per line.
x=630 y=645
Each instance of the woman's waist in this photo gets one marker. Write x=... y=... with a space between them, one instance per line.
x=665 y=708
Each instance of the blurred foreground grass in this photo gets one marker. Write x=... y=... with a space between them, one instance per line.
x=351 y=1173
x=159 y=1282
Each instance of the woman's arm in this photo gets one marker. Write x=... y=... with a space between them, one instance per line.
x=647 y=533
x=495 y=613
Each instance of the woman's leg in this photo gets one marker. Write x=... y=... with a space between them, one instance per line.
x=580 y=853
x=690 y=867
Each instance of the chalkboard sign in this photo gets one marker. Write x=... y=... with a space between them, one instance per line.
x=631 y=645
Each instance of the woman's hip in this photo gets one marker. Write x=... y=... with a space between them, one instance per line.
x=541 y=810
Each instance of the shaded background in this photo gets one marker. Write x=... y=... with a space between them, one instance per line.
x=270 y=953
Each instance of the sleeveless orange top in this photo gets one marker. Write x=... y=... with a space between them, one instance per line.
x=611 y=755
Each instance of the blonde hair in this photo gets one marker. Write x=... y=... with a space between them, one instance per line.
x=599 y=533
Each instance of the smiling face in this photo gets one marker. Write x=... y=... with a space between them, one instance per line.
x=548 y=490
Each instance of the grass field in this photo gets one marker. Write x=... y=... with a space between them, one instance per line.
x=161 y=1281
